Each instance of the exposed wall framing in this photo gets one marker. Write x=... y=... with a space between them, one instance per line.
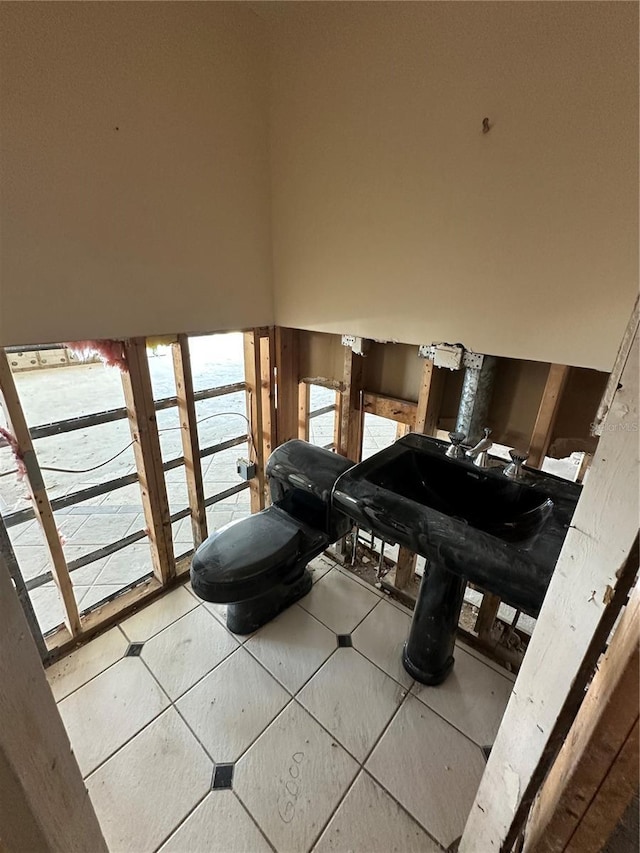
x=141 y=411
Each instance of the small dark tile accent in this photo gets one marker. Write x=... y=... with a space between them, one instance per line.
x=222 y=776
x=487 y=751
x=134 y=650
x=344 y=641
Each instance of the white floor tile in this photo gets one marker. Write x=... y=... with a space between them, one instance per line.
x=219 y=825
x=292 y=778
x=85 y=663
x=232 y=705
x=162 y=613
x=105 y=713
x=430 y=768
x=147 y=788
x=369 y=819
x=339 y=602
x=473 y=698
x=319 y=567
x=381 y=638
x=353 y=699
x=186 y=650
x=292 y=647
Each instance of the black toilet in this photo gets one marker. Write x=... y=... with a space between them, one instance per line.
x=258 y=565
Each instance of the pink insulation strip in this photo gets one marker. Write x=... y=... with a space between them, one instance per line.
x=15 y=449
x=111 y=352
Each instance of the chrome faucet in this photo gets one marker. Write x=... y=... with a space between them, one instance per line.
x=514 y=470
x=479 y=453
x=455 y=449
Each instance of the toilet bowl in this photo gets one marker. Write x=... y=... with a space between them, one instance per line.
x=258 y=566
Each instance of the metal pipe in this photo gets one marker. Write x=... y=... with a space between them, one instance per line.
x=477 y=389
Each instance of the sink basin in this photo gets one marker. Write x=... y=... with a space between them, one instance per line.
x=467 y=494
x=503 y=535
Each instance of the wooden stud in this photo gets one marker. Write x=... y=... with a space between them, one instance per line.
x=268 y=398
x=422 y=417
x=138 y=395
x=45 y=805
x=429 y=398
x=405 y=567
x=303 y=411
x=337 y=423
x=406 y=564
x=352 y=413
x=547 y=413
x=566 y=814
x=287 y=378
x=487 y=615
x=252 y=369
x=8 y=555
x=17 y=425
x=596 y=567
x=189 y=436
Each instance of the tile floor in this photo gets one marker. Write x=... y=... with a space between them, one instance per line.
x=306 y=736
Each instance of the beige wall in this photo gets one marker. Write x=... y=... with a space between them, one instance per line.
x=396 y=218
x=135 y=175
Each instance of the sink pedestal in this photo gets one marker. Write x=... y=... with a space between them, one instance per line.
x=428 y=653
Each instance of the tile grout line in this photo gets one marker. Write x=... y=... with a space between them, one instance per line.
x=184 y=820
x=252 y=819
x=453 y=725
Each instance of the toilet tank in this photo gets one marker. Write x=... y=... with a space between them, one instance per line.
x=301 y=479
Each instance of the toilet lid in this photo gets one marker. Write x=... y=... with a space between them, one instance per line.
x=236 y=560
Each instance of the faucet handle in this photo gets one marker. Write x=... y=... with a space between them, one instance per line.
x=487 y=432
x=518 y=457
x=456 y=438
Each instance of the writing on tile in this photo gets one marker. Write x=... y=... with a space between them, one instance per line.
x=290 y=788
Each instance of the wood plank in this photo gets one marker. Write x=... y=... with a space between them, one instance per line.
x=44 y=805
x=429 y=398
x=287 y=373
x=547 y=413
x=609 y=803
x=595 y=569
x=604 y=723
x=189 y=436
x=252 y=369
x=268 y=400
x=138 y=395
x=17 y=425
x=303 y=411
x=616 y=372
x=352 y=413
x=401 y=411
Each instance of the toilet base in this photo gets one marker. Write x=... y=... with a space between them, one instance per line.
x=245 y=617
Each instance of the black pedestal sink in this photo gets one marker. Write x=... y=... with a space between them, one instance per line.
x=470 y=523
